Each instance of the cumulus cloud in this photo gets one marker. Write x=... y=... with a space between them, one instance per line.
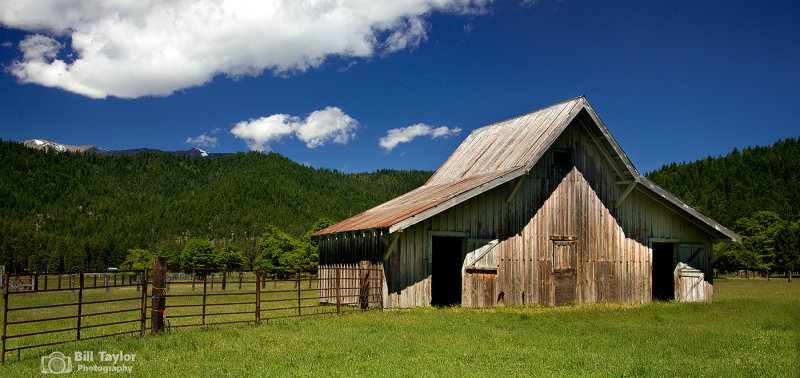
x=134 y=48
x=202 y=140
x=322 y=126
x=406 y=134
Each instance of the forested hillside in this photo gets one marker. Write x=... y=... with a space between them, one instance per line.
x=66 y=211
x=756 y=193
x=740 y=183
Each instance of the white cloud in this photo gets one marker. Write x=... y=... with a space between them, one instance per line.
x=320 y=127
x=134 y=48
x=202 y=140
x=406 y=134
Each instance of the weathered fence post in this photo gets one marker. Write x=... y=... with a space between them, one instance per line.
x=95 y=280
x=80 y=304
x=5 y=312
x=224 y=279
x=298 y=294
x=159 y=292
x=192 y=279
x=212 y=282
x=72 y=283
x=240 y=280
x=59 y=281
x=35 y=283
x=258 y=297
x=143 y=279
x=138 y=281
x=205 y=276
x=105 y=282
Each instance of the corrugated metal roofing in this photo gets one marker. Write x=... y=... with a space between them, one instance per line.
x=493 y=155
x=408 y=205
x=504 y=145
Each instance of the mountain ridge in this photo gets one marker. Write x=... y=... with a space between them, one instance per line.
x=45 y=145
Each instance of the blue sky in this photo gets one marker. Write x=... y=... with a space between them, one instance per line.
x=325 y=83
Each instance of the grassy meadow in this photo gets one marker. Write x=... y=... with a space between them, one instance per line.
x=751 y=329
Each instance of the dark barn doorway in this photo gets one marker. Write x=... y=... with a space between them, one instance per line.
x=447 y=256
x=663 y=265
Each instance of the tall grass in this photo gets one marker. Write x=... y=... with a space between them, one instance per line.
x=751 y=329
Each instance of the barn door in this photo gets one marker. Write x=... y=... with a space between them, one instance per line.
x=565 y=271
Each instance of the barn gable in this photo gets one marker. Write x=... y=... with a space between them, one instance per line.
x=540 y=208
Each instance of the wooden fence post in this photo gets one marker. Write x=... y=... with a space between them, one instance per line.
x=105 y=282
x=205 y=275
x=224 y=279
x=5 y=313
x=298 y=293
x=72 y=283
x=159 y=292
x=258 y=297
x=35 y=283
x=143 y=279
x=240 y=280
x=80 y=304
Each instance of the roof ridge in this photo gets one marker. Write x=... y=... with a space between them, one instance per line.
x=527 y=114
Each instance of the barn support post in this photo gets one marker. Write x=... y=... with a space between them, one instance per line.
x=363 y=270
x=159 y=293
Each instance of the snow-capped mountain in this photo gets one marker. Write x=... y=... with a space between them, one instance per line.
x=41 y=144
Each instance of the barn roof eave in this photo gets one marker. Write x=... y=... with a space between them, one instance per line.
x=725 y=233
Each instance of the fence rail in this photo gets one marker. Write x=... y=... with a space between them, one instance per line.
x=35 y=315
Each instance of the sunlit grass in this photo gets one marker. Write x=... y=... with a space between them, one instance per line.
x=751 y=329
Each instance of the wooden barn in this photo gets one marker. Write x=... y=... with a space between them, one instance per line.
x=544 y=208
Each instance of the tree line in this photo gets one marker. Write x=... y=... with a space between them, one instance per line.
x=70 y=211
x=754 y=192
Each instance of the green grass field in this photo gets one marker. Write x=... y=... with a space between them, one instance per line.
x=751 y=329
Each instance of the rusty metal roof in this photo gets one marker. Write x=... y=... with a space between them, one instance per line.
x=426 y=198
x=493 y=155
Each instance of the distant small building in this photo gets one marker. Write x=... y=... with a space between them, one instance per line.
x=544 y=208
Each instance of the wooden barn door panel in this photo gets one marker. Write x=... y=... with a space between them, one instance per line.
x=565 y=271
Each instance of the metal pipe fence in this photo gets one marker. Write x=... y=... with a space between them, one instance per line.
x=40 y=316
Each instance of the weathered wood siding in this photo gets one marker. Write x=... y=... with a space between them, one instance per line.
x=613 y=244
x=340 y=258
